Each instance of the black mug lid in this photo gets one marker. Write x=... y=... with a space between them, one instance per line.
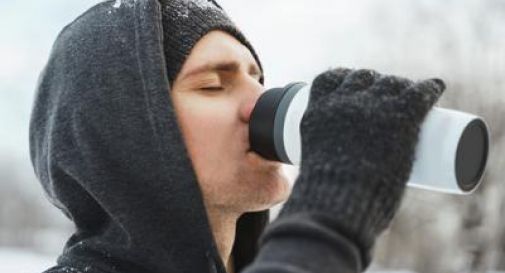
x=472 y=154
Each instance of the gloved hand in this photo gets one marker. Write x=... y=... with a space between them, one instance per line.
x=359 y=134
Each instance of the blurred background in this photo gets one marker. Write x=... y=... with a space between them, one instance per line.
x=462 y=42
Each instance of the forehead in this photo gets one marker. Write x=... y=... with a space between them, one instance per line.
x=218 y=46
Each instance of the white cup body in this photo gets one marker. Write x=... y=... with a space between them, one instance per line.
x=436 y=151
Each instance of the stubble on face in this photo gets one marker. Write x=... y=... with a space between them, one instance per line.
x=260 y=184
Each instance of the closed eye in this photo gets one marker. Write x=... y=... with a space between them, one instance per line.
x=212 y=88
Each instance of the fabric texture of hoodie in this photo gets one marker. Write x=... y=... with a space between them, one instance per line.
x=106 y=147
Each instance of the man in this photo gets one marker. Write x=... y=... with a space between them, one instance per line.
x=139 y=134
x=213 y=96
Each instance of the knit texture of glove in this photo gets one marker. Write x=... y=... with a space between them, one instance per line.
x=359 y=134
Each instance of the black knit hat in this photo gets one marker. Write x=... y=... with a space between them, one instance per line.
x=185 y=22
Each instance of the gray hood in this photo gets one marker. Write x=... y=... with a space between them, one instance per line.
x=105 y=145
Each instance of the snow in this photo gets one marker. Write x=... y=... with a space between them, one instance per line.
x=23 y=261
x=204 y=4
x=117 y=4
x=182 y=6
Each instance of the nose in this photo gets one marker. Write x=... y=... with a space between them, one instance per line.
x=247 y=110
x=250 y=102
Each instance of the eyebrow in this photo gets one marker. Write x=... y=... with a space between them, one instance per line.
x=229 y=66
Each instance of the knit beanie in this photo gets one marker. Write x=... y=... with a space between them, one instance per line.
x=185 y=22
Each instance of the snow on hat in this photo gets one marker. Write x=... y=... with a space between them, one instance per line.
x=185 y=22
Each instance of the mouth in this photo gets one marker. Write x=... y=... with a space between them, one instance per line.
x=260 y=159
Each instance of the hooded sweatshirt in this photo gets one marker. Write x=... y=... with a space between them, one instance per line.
x=108 y=152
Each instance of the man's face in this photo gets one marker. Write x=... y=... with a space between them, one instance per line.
x=213 y=96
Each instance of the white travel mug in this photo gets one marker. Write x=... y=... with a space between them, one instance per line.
x=451 y=153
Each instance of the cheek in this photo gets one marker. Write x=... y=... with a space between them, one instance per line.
x=207 y=125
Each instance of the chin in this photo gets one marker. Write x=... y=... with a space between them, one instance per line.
x=269 y=193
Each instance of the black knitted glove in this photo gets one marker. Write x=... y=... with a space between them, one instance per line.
x=359 y=134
